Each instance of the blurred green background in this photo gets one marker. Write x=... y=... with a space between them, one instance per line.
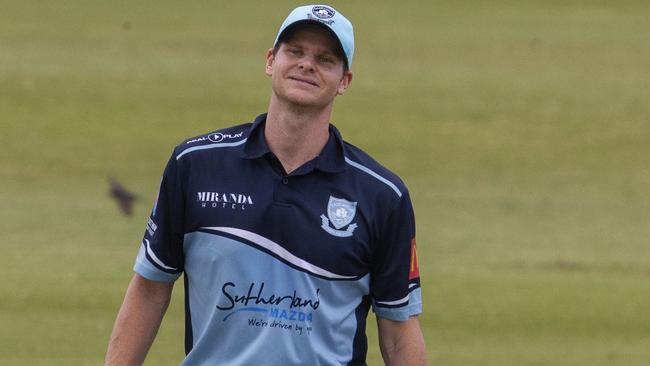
x=521 y=127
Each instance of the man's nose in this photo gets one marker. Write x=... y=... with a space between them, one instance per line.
x=306 y=64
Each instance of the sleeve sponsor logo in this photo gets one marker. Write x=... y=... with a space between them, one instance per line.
x=151 y=227
x=414 y=270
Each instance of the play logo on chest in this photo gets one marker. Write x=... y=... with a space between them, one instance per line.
x=233 y=201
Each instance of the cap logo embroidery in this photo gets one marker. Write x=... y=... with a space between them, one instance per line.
x=340 y=213
x=323 y=12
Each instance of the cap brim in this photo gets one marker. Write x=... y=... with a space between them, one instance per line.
x=293 y=26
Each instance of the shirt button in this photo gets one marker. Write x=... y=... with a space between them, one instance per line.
x=285 y=180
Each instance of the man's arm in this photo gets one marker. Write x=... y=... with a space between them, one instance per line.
x=138 y=321
x=401 y=343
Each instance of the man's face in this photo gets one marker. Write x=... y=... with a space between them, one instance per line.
x=306 y=70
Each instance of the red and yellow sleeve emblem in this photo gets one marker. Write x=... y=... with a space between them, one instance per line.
x=414 y=271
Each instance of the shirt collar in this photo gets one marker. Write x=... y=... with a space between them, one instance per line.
x=331 y=159
x=255 y=146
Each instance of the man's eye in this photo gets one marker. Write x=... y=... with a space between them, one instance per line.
x=325 y=59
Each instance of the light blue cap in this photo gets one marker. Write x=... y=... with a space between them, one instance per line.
x=328 y=16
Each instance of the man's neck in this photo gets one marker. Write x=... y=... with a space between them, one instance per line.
x=296 y=135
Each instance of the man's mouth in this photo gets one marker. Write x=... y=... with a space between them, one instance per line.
x=306 y=81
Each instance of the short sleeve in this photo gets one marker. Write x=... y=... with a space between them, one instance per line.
x=395 y=280
x=161 y=254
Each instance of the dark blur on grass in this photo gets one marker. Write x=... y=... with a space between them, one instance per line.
x=521 y=128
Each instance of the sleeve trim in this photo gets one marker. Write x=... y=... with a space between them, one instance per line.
x=399 y=302
x=367 y=170
x=152 y=256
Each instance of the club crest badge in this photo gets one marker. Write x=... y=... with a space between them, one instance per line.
x=340 y=214
x=323 y=12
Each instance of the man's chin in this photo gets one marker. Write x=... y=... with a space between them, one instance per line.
x=306 y=101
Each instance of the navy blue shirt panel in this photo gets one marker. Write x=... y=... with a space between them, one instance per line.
x=279 y=209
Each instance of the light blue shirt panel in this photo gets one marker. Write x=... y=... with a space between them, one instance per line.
x=248 y=334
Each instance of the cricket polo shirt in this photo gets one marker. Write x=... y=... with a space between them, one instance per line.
x=281 y=269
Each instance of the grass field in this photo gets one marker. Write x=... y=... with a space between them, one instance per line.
x=521 y=127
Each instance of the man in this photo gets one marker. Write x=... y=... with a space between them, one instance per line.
x=286 y=235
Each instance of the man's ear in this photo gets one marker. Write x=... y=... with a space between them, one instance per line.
x=345 y=82
x=270 y=57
